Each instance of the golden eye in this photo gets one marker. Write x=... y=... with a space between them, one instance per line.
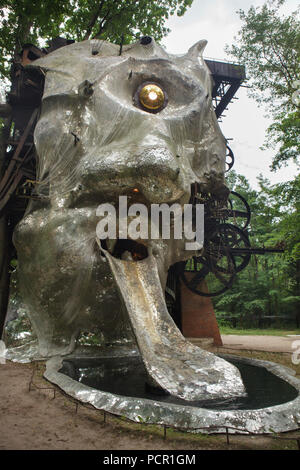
x=151 y=97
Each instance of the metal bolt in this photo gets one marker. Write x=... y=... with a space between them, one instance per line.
x=145 y=40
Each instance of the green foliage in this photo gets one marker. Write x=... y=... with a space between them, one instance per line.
x=269 y=47
x=14 y=263
x=33 y=21
x=285 y=200
x=291 y=299
x=268 y=44
x=269 y=286
x=24 y=21
x=110 y=19
x=285 y=132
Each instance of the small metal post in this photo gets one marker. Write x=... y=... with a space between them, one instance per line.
x=31 y=378
x=121 y=45
x=104 y=416
x=227 y=436
x=165 y=432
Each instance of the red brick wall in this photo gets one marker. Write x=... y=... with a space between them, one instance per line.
x=198 y=316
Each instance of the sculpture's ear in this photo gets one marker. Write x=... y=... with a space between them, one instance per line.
x=197 y=49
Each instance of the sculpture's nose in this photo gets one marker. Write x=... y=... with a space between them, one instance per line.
x=154 y=171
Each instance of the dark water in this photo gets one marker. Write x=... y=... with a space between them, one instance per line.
x=127 y=376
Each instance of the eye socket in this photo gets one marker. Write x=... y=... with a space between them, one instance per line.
x=151 y=97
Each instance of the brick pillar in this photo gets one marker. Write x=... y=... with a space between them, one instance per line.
x=198 y=316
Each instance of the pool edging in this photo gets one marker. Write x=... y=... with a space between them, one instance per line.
x=279 y=418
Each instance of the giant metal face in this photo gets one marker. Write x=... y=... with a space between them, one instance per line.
x=104 y=133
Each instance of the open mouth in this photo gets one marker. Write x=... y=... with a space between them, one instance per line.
x=125 y=249
x=174 y=364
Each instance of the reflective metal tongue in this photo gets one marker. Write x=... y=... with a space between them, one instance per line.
x=184 y=370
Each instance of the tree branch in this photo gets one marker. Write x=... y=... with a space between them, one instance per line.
x=284 y=67
x=106 y=18
x=93 y=21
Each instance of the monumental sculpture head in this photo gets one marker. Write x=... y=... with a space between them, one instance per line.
x=138 y=125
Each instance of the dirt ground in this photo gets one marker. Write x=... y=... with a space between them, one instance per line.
x=34 y=419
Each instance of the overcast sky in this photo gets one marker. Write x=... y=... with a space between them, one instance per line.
x=218 y=22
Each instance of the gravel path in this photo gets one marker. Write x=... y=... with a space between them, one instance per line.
x=261 y=343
